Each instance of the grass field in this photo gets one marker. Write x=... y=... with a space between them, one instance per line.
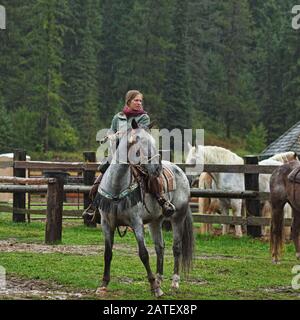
x=225 y=267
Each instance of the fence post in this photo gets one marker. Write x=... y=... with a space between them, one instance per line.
x=55 y=199
x=252 y=206
x=19 y=199
x=88 y=180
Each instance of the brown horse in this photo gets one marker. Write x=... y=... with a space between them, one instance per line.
x=283 y=191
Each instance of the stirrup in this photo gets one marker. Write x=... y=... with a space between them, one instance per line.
x=91 y=215
x=89 y=211
x=168 y=209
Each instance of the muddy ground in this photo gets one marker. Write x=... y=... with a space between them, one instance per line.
x=18 y=288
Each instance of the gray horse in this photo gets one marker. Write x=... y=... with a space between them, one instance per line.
x=121 y=202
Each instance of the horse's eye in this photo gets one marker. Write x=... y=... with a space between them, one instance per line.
x=138 y=153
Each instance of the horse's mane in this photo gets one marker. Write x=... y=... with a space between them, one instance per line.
x=218 y=155
x=285 y=157
x=270 y=162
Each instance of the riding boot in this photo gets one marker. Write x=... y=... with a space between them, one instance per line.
x=90 y=211
x=168 y=208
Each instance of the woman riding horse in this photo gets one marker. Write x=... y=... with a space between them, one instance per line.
x=122 y=121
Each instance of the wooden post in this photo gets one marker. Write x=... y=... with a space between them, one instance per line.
x=252 y=206
x=55 y=196
x=19 y=199
x=88 y=180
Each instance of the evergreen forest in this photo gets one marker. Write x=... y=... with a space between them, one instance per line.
x=231 y=67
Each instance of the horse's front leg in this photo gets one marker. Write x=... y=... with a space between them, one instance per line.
x=144 y=256
x=109 y=241
x=157 y=236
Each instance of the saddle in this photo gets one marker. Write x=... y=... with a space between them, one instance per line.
x=294 y=175
x=164 y=183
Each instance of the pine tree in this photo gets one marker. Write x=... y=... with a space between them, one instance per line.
x=203 y=43
x=150 y=41
x=276 y=58
x=14 y=52
x=44 y=63
x=234 y=97
x=113 y=67
x=6 y=132
x=81 y=48
x=177 y=90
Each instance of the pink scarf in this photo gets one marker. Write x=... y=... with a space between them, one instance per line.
x=132 y=113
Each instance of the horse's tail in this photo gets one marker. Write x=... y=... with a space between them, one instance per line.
x=277 y=231
x=187 y=242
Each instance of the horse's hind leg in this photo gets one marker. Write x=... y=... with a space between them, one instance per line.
x=296 y=231
x=177 y=253
x=157 y=236
x=109 y=240
x=183 y=244
x=144 y=256
x=237 y=212
x=276 y=237
x=224 y=211
x=287 y=214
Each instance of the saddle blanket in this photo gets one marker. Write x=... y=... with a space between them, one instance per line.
x=294 y=175
x=167 y=180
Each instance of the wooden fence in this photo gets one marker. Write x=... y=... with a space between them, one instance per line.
x=55 y=170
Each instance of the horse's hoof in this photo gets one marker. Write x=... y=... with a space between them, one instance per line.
x=275 y=261
x=101 y=291
x=175 y=285
x=298 y=255
x=158 y=292
x=159 y=279
x=175 y=281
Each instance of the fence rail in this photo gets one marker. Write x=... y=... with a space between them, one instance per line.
x=93 y=166
x=245 y=221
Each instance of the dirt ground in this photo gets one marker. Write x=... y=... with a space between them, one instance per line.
x=24 y=289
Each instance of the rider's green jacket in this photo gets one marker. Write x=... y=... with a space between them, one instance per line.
x=121 y=122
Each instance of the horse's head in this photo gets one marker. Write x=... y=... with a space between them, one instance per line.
x=196 y=154
x=142 y=150
x=191 y=156
x=285 y=157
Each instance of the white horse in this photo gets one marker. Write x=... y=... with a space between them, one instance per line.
x=222 y=180
x=264 y=186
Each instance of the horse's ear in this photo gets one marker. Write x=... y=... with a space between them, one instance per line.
x=151 y=124
x=189 y=146
x=198 y=149
x=134 y=124
x=296 y=156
